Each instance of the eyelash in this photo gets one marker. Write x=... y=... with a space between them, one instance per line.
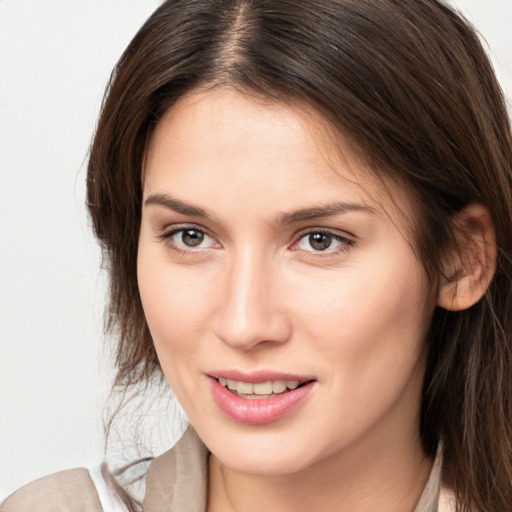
x=345 y=242
x=167 y=238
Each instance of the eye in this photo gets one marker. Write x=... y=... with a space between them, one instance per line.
x=323 y=241
x=188 y=238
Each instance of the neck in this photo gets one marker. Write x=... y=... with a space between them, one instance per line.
x=366 y=477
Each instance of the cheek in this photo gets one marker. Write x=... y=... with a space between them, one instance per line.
x=175 y=305
x=369 y=322
x=371 y=333
x=382 y=297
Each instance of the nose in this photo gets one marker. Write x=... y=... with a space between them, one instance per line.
x=251 y=312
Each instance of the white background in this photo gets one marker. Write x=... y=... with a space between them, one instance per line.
x=55 y=58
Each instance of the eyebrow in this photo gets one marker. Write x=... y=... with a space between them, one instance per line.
x=176 y=205
x=328 y=210
x=315 y=212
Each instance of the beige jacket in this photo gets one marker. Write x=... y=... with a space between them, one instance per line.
x=176 y=482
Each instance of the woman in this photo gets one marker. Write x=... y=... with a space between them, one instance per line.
x=306 y=210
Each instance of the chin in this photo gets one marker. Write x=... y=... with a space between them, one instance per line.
x=262 y=451
x=264 y=463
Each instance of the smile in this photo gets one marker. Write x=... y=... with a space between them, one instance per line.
x=259 y=390
x=259 y=399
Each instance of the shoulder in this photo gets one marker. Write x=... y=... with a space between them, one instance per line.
x=66 y=491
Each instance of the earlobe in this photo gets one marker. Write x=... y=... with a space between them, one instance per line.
x=470 y=267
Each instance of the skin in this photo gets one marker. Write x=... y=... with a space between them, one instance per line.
x=255 y=294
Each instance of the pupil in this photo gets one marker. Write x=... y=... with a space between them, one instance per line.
x=191 y=237
x=320 y=241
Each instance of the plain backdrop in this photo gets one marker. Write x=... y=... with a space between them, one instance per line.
x=55 y=59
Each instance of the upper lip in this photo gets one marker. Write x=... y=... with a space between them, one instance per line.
x=259 y=376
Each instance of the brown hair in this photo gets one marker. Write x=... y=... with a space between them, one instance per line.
x=409 y=82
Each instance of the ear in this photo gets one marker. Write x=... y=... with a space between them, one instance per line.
x=469 y=267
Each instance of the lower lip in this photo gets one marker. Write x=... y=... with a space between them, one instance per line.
x=258 y=411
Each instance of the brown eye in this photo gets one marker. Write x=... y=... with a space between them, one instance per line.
x=192 y=237
x=320 y=241
x=323 y=242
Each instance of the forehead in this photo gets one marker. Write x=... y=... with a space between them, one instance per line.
x=260 y=152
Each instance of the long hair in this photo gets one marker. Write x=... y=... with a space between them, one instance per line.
x=410 y=84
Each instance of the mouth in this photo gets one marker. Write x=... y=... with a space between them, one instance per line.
x=260 y=390
x=260 y=397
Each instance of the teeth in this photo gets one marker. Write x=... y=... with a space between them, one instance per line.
x=259 y=388
x=262 y=388
x=244 y=388
x=278 y=386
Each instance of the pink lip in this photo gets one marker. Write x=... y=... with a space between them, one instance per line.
x=258 y=411
x=259 y=376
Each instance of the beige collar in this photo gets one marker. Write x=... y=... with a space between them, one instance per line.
x=177 y=480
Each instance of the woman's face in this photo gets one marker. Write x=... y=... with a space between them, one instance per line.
x=272 y=264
